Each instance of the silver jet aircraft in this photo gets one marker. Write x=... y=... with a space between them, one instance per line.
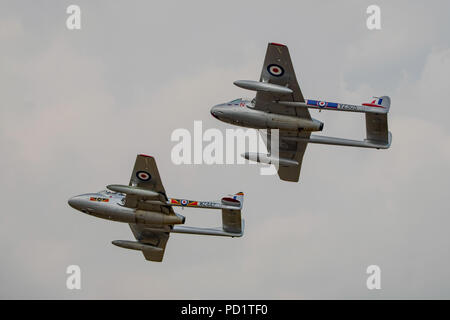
x=279 y=104
x=144 y=205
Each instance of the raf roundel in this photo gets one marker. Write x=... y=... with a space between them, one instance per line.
x=143 y=175
x=275 y=70
x=184 y=202
x=322 y=104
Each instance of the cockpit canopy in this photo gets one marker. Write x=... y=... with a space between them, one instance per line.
x=235 y=102
x=246 y=101
x=107 y=192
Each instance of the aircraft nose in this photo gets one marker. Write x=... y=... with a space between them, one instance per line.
x=75 y=202
x=216 y=112
x=213 y=110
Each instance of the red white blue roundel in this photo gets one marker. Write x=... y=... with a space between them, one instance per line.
x=184 y=202
x=143 y=175
x=322 y=104
x=275 y=70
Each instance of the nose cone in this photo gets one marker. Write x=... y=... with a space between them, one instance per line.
x=213 y=111
x=217 y=111
x=75 y=202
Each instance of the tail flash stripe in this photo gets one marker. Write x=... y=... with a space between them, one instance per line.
x=372 y=105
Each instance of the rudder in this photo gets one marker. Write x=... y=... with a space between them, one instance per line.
x=376 y=123
x=231 y=218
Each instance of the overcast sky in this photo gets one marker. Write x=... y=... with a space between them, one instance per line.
x=77 y=106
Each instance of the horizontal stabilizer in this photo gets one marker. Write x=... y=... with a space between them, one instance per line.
x=208 y=231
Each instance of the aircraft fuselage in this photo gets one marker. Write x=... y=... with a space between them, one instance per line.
x=109 y=205
x=241 y=112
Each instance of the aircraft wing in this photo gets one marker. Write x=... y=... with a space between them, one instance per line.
x=154 y=241
x=291 y=150
x=278 y=69
x=145 y=175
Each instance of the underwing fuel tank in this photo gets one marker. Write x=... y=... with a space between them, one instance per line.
x=134 y=245
x=268 y=159
x=157 y=218
x=262 y=86
x=131 y=190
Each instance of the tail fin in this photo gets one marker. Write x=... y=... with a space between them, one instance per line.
x=236 y=200
x=231 y=218
x=232 y=222
x=383 y=102
x=240 y=197
x=376 y=123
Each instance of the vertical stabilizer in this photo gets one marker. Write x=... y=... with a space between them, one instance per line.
x=376 y=123
x=231 y=218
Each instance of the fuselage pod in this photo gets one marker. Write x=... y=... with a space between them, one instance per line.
x=243 y=114
x=111 y=207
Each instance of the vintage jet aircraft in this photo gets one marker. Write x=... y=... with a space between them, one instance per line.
x=144 y=205
x=279 y=104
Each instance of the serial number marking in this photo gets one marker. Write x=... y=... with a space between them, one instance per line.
x=246 y=309
x=348 y=107
x=209 y=204
x=230 y=309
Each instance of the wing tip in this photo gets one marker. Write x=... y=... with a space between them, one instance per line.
x=145 y=155
x=277 y=44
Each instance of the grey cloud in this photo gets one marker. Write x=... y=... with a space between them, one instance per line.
x=76 y=107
